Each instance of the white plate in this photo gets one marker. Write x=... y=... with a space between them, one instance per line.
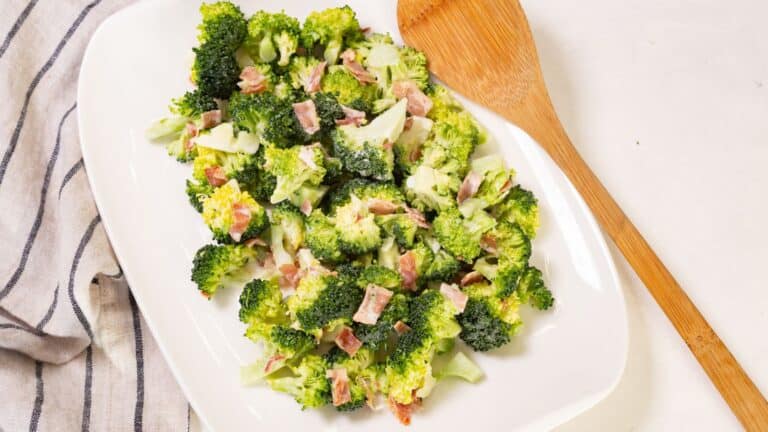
x=562 y=363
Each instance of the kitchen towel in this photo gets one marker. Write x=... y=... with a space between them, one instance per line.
x=75 y=352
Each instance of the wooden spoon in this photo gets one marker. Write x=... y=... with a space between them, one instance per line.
x=484 y=50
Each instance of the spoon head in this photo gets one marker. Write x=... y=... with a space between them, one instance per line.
x=481 y=48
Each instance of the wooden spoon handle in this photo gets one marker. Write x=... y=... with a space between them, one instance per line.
x=738 y=390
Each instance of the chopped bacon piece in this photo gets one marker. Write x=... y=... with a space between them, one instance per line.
x=355 y=68
x=401 y=411
x=191 y=133
x=414 y=155
x=365 y=29
x=469 y=186
x=275 y=362
x=470 y=278
x=241 y=217
x=408 y=123
x=351 y=117
x=455 y=295
x=401 y=327
x=347 y=341
x=252 y=81
x=408 y=269
x=374 y=302
x=307 y=115
x=210 y=119
x=290 y=276
x=417 y=217
x=339 y=386
x=306 y=207
x=419 y=104
x=506 y=186
x=312 y=84
x=488 y=244
x=388 y=144
x=381 y=207
x=307 y=155
x=215 y=175
x=255 y=242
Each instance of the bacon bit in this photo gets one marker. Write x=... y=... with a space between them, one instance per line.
x=469 y=186
x=381 y=207
x=408 y=269
x=339 y=386
x=357 y=70
x=241 y=217
x=401 y=327
x=414 y=155
x=455 y=295
x=374 y=302
x=252 y=81
x=272 y=362
x=470 y=278
x=191 y=133
x=215 y=175
x=255 y=242
x=388 y=145
x=507 y=186
x=347 y=341
x=205 y=294
x=365 y=29
x=307 y=115
x=307 y=155
x=488 y=244
x=351 y=116
x=401 y=411
x=306 y=207
x=417 y=217
x=419 y=104
x=290 y=276
x=312 y=84
x=408 y=123
x=210 y=118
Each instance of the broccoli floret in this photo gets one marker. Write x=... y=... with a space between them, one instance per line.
x=510 y=259
x=367 y=150
x=197 y=193
x=356 y=227
x=217 y=265
x=268 y=117
x=179 y=146
x=291 y=220
x=261 y=308
x=531 y=289
x=409 y=367
x=400 y=226
x=308 y=384
x=355 y=368
x=375 y=336
x=192 y=104
x=215 y=70
x=423 y=257
x=348 y=90
x=300 y=71
x=411 y=65
x=433 y=312
x=332 y=28
x=292 y=170
x=431 y=189
x=219 y=213
x=459 y=236
x=408 y=147
x=322 y=239
x=448 y=148
x=494 y=186
x=329 y=110
x=242 y=167
x=263 y=185
x=322 y=299
x=389 y=254
x=380 y=276
x=488 y=321
x=224 y=24
x=272 y=37
x=521 y=207
x=365 y=190
x=443 y=267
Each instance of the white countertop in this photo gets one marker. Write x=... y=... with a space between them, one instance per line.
x=668 y=103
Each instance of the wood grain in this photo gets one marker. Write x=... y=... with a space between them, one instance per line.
x=484 y=50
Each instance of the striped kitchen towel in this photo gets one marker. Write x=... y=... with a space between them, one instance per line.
x=75 y=353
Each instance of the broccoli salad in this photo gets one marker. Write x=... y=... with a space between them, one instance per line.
x=343 y=199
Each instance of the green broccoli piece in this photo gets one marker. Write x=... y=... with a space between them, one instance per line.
x=412 y=66
x=355 y=367
x=272 y=37
x=380 y=276
x=166 y=129
x=223 y=24
x=242 y=167
x=348 y=90
x=389 y=254
x=262 y=308
x=197 y=193
x=215 y=266
x=356 y=227
x=409 y=367
x=375 y=336
x=292 y=170
x=459 y=236
x=321 y=238
x=263 y=184
x=400 y=226
x=308 y=384
x=322 y=299
x=333 y=29
x=488 y=321
x=268 y=117
x=521 y=207
x=495 y=185
x=408 y=147
x=449 y=148
x=512 y=251
x=365 y=190
x=192 y=104
x=215 y=70
x=531 y=289
x=291 y=220
x=328 y=110
x=431 y=189
x=443 y=267
x=300 y=71
x=219 y=213
x=423 y=257
x=367 y=150
x=434 y=313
